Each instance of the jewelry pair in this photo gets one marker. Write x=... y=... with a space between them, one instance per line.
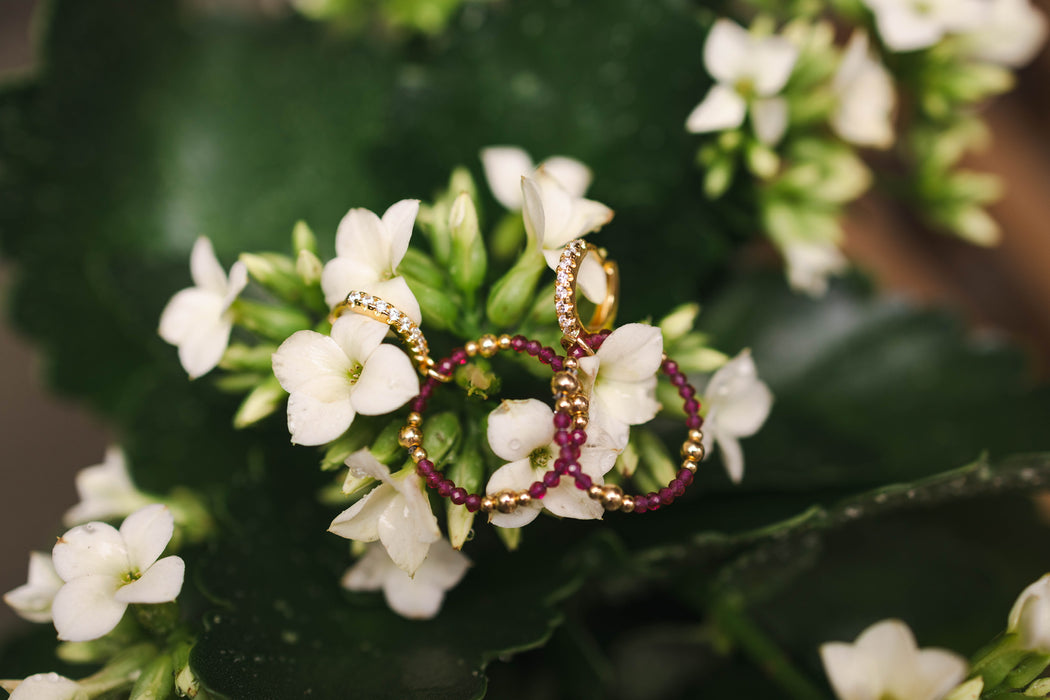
x=571 y=405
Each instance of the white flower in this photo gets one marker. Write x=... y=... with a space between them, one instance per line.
x=416 y=597
x=106 y=491
x=105 y=569
x=885 y=662
x=522 y=432
x=397 y=513
x=810 y=263
x=864 y=114
x=554 y=217
x=1030 y=616
x=198 y=320
x=1010 y=33
x=45 y=686
x=331 y=379
x=623 y=377
x=908 y=25
x=368 y=251
x=32 y=600
x=506 y=165
x=749 y=73
x=738 y=403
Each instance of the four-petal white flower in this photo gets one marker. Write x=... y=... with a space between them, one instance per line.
x=864 y=114
x=1030 y=616
x=368 y=251
x=522 y=432
x=45 y=686
x=885 y=662
x=738 y=403
x=811 y=263
x=416 y=597
x=106 y=491
x=33 y=599
x=331 y=379
x=506 y=165
x=106 y=569
x=622 y=374
x=396 y=513
x=198 y=319
x=749 y=72
x=1010 y=33
x=554 y=217
x=909 y=25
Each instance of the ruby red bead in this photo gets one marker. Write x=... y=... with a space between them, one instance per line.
x=561 y=466
x=518 y=342
x=669 y=367
x=533 y=348
x=666 y=496
x=546 y=355
x=578 y=436
x=459 y=356
x=577 y=352
x=678 y=379
x=562 y=420
x=557 y=364
x=641 y=504
x=694 y=422
x=686 y=391
x=569 y=452
x=654 y=501
x=685 y=476
x=444 y=489
x=458 y=496
x=434 y=479
x=425 y=467
x=677 y=487
x=445 y=367
x=538 y=489
x=473 y=502
x=562 y=438
x=691 y=406
x=583 y=482
x=551 y=479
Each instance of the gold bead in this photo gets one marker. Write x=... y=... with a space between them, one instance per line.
x=471 y=348
x=488 y=345
x=595 y=492
x=504 y=342
x=612 y=497
x=418 y=454
x=692 y=449
x=690 y=465
x=415 y=419
x=570 y=363
x=579 y=422
x=563 y=405
x=628 y=504
x=565 y=383
x=524 y=499
x=696 y=435
x=488 y=504
x=410 y=436
x=580 y=404
x=506 y=502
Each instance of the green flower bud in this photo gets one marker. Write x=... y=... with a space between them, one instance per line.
x=507 y=238
x=309 y=267
x=467 y=471
x=260 y=403
x=718 y=177
x=385 y=447
x=239 y=382
x=1027 y=671
x=655 y=458
x=275 y=272
x=692 y=354
x=477 y=379
x=156 y=682
x=679 y=322
x=627 y=462
x=468 y=261
x=360 y=435
x=1038 y=689
x=121 y=670
x=762 y=161
x=272 y=322
x=439 y=310
x=417 y=266
x=433 y=222
x=187 y=685
x=511 y=295
x=973 y=224
x=303 y=238
x=511 y=537
x=248 y=358
x=440 y=434
x=158 y=619
x=461 y=181
x=543 y=312
x=193 y=519
x=970 y=690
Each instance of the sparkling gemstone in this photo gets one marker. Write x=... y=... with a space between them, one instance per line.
x=382 y=306
x=394 y=315
x=405 y=324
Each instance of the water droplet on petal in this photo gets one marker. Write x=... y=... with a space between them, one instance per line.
x=89 y=528
x=514 y=444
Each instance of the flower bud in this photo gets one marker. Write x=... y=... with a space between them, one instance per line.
x=156 y=681
x=507 y=238
x=385 y=448
x=655 y=459
x=511 y=537
x=309 y=267
x=260 y=403
x=692 y=354
x=433 y=222
x=120 y=670
x=679 y=322
x=360 y=435
x=468 y=262
x=275 y=272
x=187 y=685
x=439 y=310
x=627 y=461
x=248 y=358
x=303 y=239
x=543 y=311
x=477 y=379
x=512 y=294
x=1029 y=618
x=762 y=160
x=419 y=267
x=440 y=434
x=467 y=471
x=970 y=690
x=273 y=322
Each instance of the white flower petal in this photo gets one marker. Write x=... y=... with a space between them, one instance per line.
x=420 y=597
x=388 y=381
x=307 y=355
x=890 y=644
x=934 y=673
x=633 y=352
x=556 y=205
x=315 y=422
x=592 y=281
x=48 y=686
x=811 y=263
x=852 y=674
x=517 y=427
x=633 y=403
x=202 y=350
x=146 y=533
x=397 y=292
x=770 y=118
x=92 y=548
x=361 y=521
x=772 y=60
x=866 y=97
x=185 y=311
x=370 y=571
x=363 y=463
x=85 y=609
x=747 y=411
x=722 y=108
x=567 y=501
x=398 y=220
x=904 y=29
x=1030 y=615
x=32 y=600
x=358 y=336
x=341 y=276
x=445 y=566
x=105 y=491
x=237 y=282
x=517 y=476
x=571 y=174
x=362 y=236
x=732 y=455
x=205 y=269
x=532 y=209
x=727 y=51
x=407 y=526
x=504 y=167
x=606 y=430
x=587 y=216
x=161 y=583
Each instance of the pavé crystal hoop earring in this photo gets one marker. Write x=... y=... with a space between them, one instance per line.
x=379 y=310
x=572 y=326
